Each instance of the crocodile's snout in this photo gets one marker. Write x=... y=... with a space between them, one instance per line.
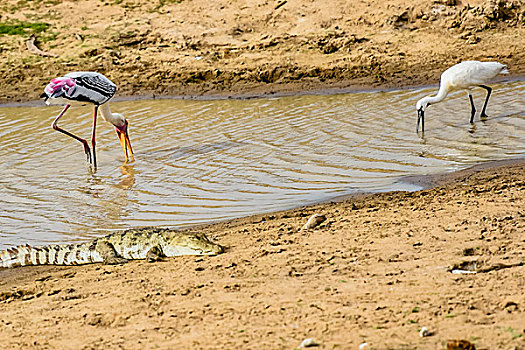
x=192 y=244
x=207 y=247
x=216 y=249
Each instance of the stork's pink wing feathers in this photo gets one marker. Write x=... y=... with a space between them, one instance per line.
x=57 y=86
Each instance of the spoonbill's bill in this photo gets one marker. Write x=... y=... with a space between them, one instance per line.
x=462 y=76
x=88 y=87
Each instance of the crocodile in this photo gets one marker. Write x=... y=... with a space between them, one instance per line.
x=150 y=243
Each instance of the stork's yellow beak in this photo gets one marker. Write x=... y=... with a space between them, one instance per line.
x=123 y=136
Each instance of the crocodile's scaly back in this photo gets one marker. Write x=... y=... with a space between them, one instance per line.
x=144 y=243
x=67 y=254
x=135 y=243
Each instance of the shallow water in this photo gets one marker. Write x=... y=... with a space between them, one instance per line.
x=200 y=161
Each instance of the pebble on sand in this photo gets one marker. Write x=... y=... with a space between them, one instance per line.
x=424 y=332
x=460 y=345
x=313 y=221
x=308 y=343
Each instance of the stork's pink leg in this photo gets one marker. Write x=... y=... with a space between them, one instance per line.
x=93 y=136
x=57 y=128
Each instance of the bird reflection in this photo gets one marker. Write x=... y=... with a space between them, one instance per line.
x=128 y=179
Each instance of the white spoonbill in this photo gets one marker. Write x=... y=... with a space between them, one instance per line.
x=88 y=87
x=464 y=75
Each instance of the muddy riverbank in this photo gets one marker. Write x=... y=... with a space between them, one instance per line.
x=223 y=48
x=376 y=270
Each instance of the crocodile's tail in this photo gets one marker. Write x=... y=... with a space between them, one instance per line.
x=18 y=256
x=71 y=254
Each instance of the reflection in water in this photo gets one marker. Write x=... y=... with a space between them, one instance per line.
x=128 y=178
x=199 y=161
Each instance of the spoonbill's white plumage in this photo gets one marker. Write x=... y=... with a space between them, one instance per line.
x=88 y=87
x=462 y=76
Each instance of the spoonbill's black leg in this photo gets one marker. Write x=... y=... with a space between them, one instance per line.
x=57 y=128
x=473 y=108
x=93 y=136
x=489 y=91
x=420 y=118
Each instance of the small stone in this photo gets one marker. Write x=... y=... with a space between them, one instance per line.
x=469 y=252
x=473 y=40
x=313 y=221
x=510 y=306
x=460 y=345
x=362 y=346
x=447 y=2
x=308 y=343
x=424 y=332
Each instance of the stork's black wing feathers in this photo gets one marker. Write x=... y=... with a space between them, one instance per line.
x=97 y=84
x=92 y=87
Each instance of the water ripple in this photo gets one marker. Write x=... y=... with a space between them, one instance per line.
x=201 y=161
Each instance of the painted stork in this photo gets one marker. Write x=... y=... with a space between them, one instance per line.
x=88 y=87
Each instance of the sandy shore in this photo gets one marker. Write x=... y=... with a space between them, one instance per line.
x=376 y=271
